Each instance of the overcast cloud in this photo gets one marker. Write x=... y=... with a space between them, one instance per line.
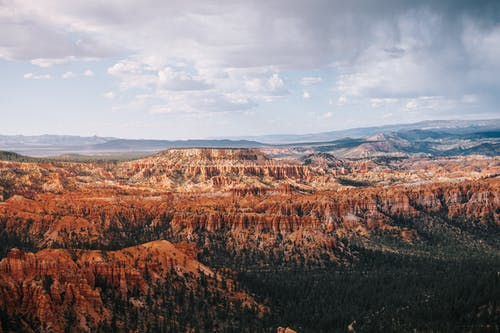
x=386 y=61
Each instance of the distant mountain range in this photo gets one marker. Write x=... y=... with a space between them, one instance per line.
x=51 y=145
x=447 y=126
x=441 y=137
x=409 y=143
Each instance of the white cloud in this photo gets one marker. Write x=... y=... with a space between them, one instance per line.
x=267 y=86
x=171 y=79
x=411 y=105
x=470 y=98
x=342 y=100
x=436 y=104
x=133 y=74
x=310 y=81
x=381 y=75
x=33 y=76
x=306 y=95
x=68 y=75
x=482 y=44
x=201 y=101
x=49 y=62
x=413 y=68
x=127 y=67
x=245 y=48
x=182 y=88
x=380 y=102
x=275 y=82
x=109 y=95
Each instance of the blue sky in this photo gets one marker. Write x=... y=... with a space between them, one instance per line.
x=194 y=69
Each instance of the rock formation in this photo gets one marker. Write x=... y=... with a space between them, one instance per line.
x=91 y=243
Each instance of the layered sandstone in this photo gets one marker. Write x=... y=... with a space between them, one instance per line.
x=101 y=219
x=56 y=288
x=84 y=241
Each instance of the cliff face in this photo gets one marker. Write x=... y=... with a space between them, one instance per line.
x=238 y=170
x=96 y=206
x=255 y=223
x=55 y=289
x=92 y=243
x=205 y=169
x=48 y=286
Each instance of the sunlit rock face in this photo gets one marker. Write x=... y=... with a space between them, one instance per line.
x=90 y=242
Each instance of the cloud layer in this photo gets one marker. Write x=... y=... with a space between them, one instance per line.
x=227 y=56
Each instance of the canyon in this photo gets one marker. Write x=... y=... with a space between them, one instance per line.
x=184 y=240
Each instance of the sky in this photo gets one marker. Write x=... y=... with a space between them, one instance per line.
x=196 y=69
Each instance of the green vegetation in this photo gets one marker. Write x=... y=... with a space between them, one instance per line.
x=76 y=158
x=384 y=292
x=347 y=143
x=47 y=283
x=11 y=156
x=178 y=305
x=352 y=182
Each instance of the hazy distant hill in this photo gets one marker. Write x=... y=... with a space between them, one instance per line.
x=448 y=126
x=51 y=140
x=51 y=145
x=124 y=144
x=409 y=143
x=442 y=137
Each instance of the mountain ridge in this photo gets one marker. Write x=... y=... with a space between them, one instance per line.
x=460 y=125
x=50 y=145
x=416 y=142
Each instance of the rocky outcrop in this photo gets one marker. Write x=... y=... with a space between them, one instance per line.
x=298 y=227
x=46 y=288
x=57 y=289
x=285 y=330
x=205 y=169
x=88 y=242
x=216 y=170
